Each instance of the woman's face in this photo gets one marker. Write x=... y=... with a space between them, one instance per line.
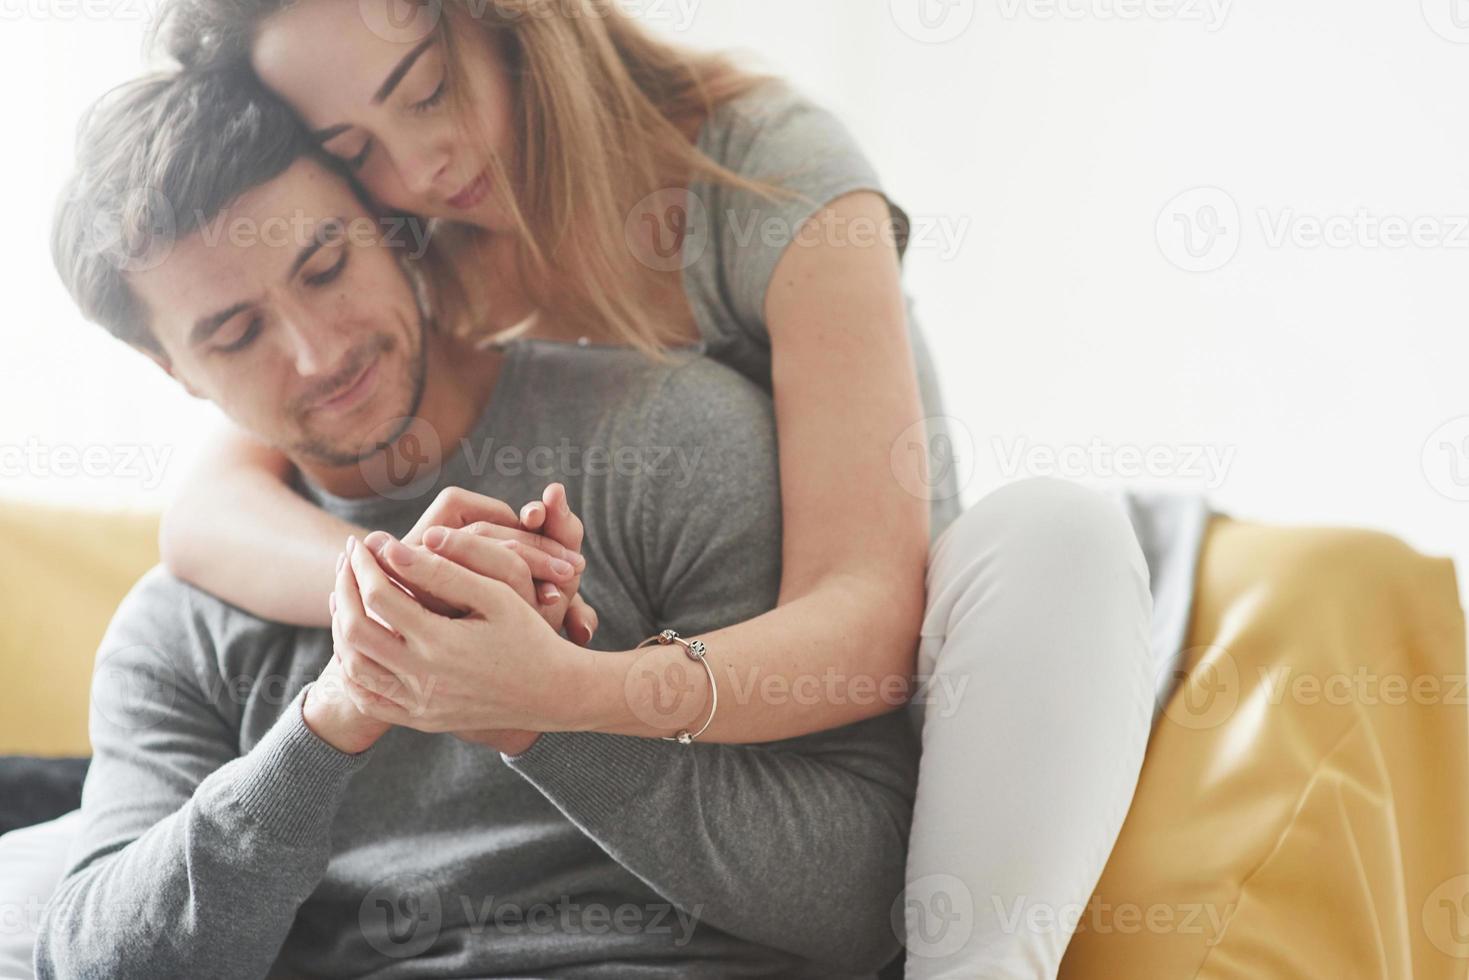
x=380 y=101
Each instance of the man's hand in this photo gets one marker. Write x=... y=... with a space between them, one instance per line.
x=330 y=709
x=329 y=712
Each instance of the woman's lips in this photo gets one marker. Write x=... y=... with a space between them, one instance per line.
x=473 y=193
x=353 y=395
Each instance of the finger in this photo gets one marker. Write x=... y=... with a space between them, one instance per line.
x=460 y=507
x=561 y=525
x=581 y=621
x=533 y=515
x=363 y=647
x=476 y=558
x=543 y=565
x=383 y=710
x=366 y=701
x=538 y=542
x=547 y=593
x=369 y=654
x=372 y=685
x=375 y=543
x=389 y=702
x=381 y=598
x=434 y=578
x=456 y=507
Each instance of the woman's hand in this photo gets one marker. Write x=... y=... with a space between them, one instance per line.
x=495 y=672
x=552 y=516
x=554 y=554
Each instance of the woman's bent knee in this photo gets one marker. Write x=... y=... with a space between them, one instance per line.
x=1043 y=531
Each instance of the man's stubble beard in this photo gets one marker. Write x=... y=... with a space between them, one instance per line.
x=324 y=453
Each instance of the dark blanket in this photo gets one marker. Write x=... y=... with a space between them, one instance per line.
x=33 y=791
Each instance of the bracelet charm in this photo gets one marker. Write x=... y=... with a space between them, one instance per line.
x=695 y=650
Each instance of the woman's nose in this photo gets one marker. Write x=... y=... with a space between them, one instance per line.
x=422 y=171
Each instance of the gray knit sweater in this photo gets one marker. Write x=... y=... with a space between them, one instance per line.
x=223 y=839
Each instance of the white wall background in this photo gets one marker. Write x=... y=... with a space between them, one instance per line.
x=1042 y=146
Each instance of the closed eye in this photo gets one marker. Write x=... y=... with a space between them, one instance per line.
x=433 y=100
x=330 y=274
x=246 y=339
x=356 y=162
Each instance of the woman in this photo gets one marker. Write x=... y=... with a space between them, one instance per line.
x=594 y=182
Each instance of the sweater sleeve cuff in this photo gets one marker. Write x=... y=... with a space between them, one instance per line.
x=295 y=782
x=592 y=775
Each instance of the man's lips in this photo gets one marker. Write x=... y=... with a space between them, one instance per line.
x=352 y=395
x=473 y=193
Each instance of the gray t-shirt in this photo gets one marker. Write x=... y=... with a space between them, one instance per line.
x=222 y=839
x=736 y=238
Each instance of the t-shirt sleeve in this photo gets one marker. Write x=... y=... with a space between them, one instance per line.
x=776 y=136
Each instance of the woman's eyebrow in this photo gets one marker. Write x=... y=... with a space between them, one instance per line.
x=389 y=84
x=330 y=133
x=396 y=75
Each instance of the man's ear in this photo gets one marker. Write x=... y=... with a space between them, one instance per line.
x=166 y=366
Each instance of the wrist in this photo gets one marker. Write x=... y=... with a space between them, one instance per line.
x=651 y=692
x=344 y=728
x=590 y=690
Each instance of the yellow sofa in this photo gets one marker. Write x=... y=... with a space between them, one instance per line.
x=62 y=573
x=1303 y=811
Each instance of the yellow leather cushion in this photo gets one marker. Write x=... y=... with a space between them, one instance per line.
x=1302 y=812
x=62 y=574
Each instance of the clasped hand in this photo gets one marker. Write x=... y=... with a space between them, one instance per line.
x=456 y=627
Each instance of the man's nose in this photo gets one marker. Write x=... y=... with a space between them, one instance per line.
x=315 y=345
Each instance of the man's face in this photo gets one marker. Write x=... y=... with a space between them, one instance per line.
x=288 y=313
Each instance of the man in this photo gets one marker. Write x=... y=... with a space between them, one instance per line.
x=238 y=820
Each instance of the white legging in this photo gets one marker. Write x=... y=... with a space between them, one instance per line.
x=1035 y=704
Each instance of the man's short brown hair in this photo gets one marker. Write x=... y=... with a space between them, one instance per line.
x=156 y=160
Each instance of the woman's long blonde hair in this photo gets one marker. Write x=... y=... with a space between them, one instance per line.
x=599 y=109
